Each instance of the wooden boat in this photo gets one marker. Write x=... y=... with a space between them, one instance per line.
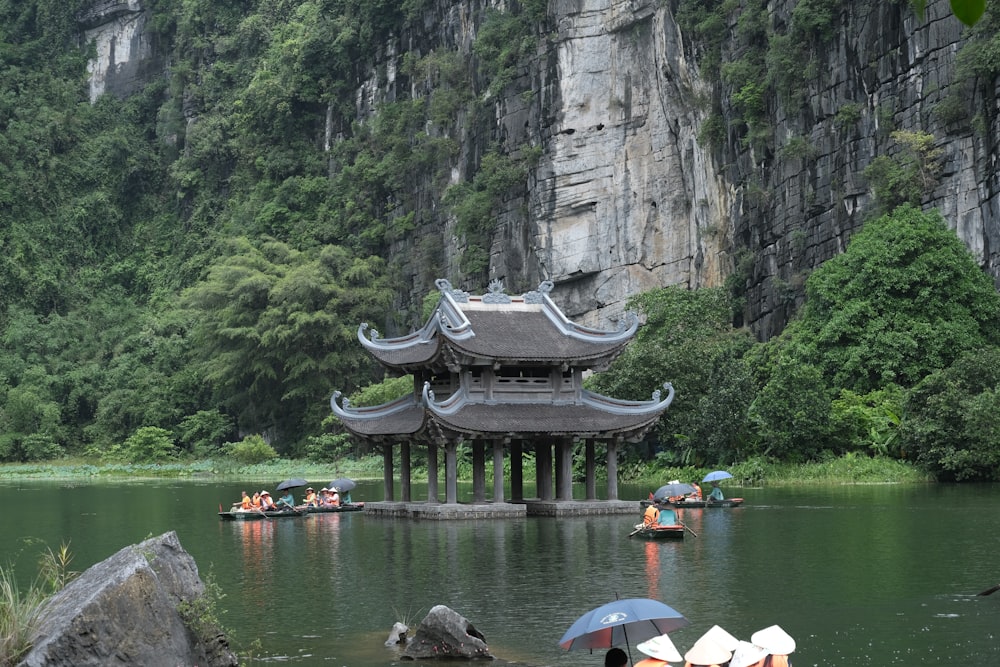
x=323 y=509
x=694 y=504
x=658 y=532
x=242 y=515
x=728 y=502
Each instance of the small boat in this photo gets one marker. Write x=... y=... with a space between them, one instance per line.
x=348 y=507
x=658 y=532
x=693 y=504
x=245 y=515
x=728 y=502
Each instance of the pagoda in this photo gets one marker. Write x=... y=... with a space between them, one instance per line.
x=507 y=372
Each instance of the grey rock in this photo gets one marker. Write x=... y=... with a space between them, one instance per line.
x=123 y=611
x=446 y=634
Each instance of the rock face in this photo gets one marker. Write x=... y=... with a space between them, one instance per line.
x=123 y=611
x=625 y=196
x=446 y=634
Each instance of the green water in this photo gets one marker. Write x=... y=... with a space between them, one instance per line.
x=874 y=575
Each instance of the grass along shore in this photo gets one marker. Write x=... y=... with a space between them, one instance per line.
x=756 y=472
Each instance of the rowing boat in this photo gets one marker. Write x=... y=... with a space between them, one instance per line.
x=693 y=504
x=350 y=507
x=657 y=532
x=251 y=515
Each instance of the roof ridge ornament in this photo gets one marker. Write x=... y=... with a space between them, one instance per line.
x=538 y=295
x=496 y=293
x=458 y=295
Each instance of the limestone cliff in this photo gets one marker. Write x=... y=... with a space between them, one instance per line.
x=626 y=196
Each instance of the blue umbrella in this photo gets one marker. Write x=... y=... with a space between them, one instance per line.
x=293 y=483
x=621 y=621
x=716 y=475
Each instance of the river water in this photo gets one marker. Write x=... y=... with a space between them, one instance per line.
x=858 y=575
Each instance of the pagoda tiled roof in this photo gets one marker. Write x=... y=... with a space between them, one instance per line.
x=592 y=416
x=502 y=329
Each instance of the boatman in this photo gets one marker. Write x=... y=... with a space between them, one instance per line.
x=651 y=517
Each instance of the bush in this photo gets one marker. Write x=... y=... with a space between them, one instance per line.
x=251 y=450
x=150 y=444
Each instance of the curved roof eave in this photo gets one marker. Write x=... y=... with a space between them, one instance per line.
x=626 y=329
x=620 y=407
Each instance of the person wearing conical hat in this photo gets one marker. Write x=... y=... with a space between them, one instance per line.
x=777 y=643
x=661 y=652
x=748 y=654
x=706 y=653
x=721 y=637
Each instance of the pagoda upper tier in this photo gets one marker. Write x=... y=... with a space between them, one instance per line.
x=497 y=366
x=497 y=329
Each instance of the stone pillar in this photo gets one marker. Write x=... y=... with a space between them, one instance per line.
x=478 y=471
x=387 y=490
x=591 y=463
x=613 y=469
x=543 y=465
x=451 y=472
x=564 y=472
x=432 y=473
x=404 y=471
x=516 y=470
x=498 y=471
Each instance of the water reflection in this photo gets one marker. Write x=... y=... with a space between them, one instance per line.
x=858 y=575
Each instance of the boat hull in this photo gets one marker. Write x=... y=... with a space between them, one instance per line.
x=661 y=533
x=353 y=507
x=695 y=504
x=259 y=516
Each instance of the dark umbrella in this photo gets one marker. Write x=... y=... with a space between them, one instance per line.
x=622 y=621
x=671 y=490
x=716 y=475
x=291 y=484
x=342 y=484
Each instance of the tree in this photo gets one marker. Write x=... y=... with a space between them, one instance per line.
x=688 y=340
x=952 y=422
x=904 y=300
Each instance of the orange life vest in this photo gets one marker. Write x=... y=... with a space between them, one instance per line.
x=651 y=516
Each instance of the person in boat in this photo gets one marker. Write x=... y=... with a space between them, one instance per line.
x=255 y=503
x=287 y=501
x=266 y=503
x=716 y=495
x=706 y=653
x=777 y=643
x=312 y=500
x=696 y=494
x=661 y=652
x=244 y=502
x=345 y=498
x=651 y=517
x=748 y=654
x=615 y=657
x=334 y=496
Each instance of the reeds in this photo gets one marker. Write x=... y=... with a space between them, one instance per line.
x=21 y=610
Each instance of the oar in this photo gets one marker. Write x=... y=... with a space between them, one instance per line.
x=635 y=531
x=991 y=590
x=688 y=529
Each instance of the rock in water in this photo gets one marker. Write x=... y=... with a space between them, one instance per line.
x=446 y=634
x=123 y=611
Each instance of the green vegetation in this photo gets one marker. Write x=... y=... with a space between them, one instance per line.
x=880 y=363
x=20 y=609
x=184 y=270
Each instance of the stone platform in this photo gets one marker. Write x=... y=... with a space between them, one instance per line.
x=506 y=510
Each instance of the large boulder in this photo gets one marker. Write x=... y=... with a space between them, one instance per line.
x=446 y=634
x=124 y=611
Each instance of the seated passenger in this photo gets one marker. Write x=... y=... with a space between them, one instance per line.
x=255 y=503
x=287 y=501
x=312 y=500
x=334 y=497
x=651 y=517
x=716 y=494
x=244 y=503
x=667 y=518
x=266 y=503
